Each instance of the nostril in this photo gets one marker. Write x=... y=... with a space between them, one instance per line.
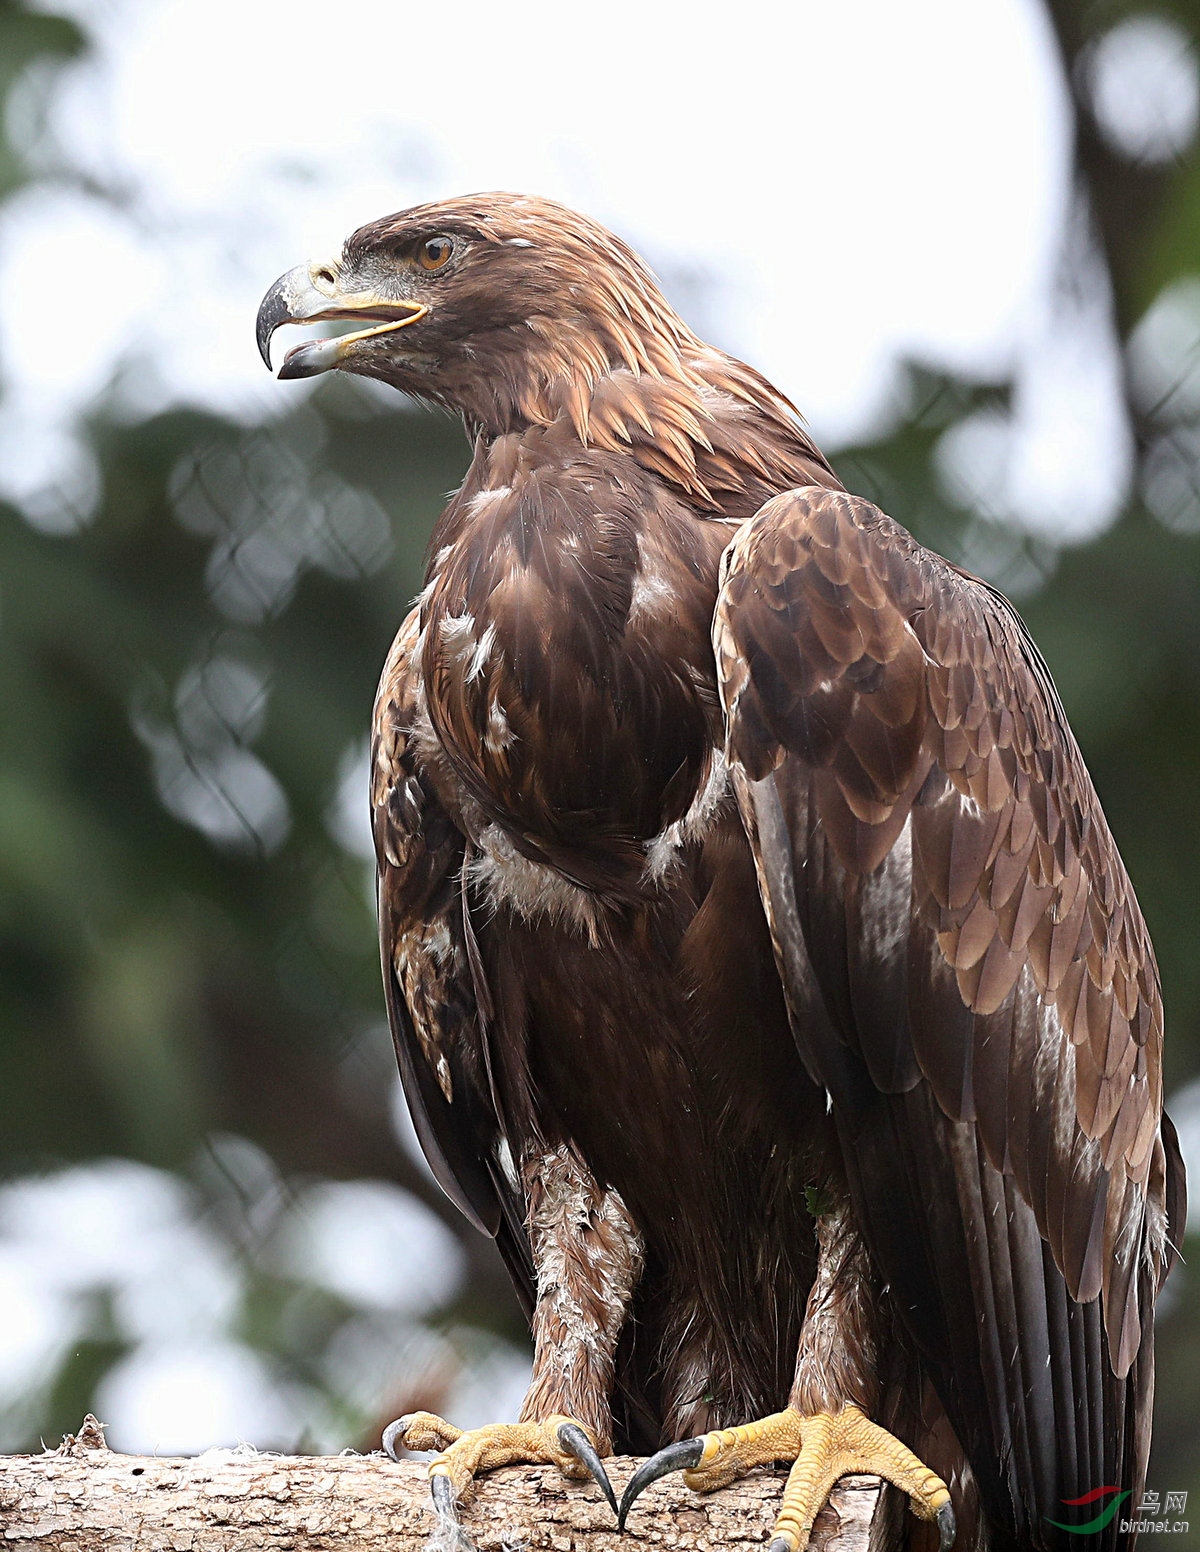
x=325 y=276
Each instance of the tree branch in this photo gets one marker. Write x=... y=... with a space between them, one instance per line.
x=84 y=1497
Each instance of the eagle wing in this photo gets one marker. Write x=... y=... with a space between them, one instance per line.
x=437 y=998
x=968 y=975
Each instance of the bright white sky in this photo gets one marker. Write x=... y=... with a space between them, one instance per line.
x=845 y=185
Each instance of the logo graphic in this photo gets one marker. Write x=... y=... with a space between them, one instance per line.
x=1090 y=1527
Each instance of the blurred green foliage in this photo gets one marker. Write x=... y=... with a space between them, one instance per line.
x=161 y=983
x=26 y=36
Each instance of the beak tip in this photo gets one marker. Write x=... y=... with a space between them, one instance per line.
x=276 y=309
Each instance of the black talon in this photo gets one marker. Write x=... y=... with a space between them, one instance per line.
x=576 y=1442
x=450 y=1536
x=780 y=1544
x=676 y=1457
x=391 y=1433
x=441 y=1490
x=947 y=1529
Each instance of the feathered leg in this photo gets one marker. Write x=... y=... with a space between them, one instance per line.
x=588 y=1258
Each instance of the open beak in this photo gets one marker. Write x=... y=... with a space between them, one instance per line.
x=308 y=294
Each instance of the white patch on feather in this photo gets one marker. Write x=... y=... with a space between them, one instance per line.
x=423 y=943
x=498 y=735
x=425 y=740
x=653 y=593
x=650 y=591
x=663 y=850
x=504 y=1159
x=457 y=633
x=530 y=889
x=1156 y=1244
x=1054 y=1076
x=461 y=644
x=1056 y=1043
x=886 y=897
x=484 y=497
x=483 y=650
x=439 y=944
x=422 y=600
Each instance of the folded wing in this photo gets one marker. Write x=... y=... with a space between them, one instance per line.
x=969 y=976
x=437 y=998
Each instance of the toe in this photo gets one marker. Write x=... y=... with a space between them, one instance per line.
x=558 y=1441
x=729 y=1453
x=838 y=1444
x=873 y=1449
x=715 y=1459
x=420 y=1431
x=822 y=1447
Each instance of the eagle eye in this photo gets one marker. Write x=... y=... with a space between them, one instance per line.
x=434 y=253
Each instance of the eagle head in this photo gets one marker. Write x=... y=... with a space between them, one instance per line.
x=502 y=307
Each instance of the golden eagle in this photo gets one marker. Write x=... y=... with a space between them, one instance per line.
x=762 y=971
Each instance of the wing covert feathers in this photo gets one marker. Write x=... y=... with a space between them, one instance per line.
x=962 y=902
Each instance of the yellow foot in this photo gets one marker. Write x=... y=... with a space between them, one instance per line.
x=559 y=1441
x=823 y=1447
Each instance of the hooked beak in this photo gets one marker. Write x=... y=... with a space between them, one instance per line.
x=310 y=294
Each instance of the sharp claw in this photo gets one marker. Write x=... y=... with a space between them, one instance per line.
x=576 y=1442
x=450 y=1535
x=781 y=1544
x=676 y=1457
x=392 y=1432
x=441 y=1490
x=947 y=1528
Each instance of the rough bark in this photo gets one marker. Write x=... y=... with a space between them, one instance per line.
x=84 y=1497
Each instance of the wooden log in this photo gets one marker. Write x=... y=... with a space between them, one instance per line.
x=84 y=1497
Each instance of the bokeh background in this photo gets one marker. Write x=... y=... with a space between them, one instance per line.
x=964 y=238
